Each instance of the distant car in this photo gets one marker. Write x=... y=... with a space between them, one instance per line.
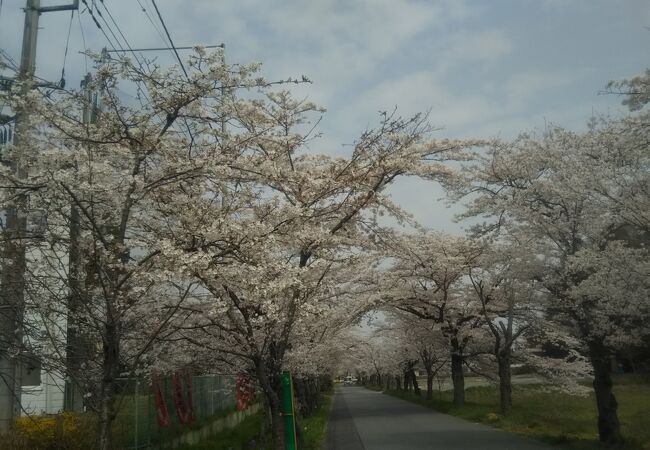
x=349 y=381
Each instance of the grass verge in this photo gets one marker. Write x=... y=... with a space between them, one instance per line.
x=314 y=427
x=565 y=420
x=313 y=430
x=237 y=438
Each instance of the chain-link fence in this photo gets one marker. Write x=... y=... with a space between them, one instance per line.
x=153 y=412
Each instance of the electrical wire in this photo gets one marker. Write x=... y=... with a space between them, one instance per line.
x=116 y=46
x=83 y=39
x=12 y=62
x=65 y=54
x=119 y=30
x=44 y=82
x=110 y=30
x=119 y=49
x=180 y=61
x=98 y=25
x=126 y=41
x=151 y=21
x=171 y=42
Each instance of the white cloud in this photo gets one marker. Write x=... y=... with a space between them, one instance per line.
x=484 y=45
x=422 y=92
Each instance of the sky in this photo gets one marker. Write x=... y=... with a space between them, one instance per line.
x=483 y=69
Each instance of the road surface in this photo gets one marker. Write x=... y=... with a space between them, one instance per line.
x=362 y=419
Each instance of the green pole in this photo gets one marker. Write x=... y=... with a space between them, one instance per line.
x=287 y=409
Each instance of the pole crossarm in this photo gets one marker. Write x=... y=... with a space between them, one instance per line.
x=54 y=8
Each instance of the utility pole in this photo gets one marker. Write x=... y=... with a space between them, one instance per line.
x=12 y=280
x=76 y=351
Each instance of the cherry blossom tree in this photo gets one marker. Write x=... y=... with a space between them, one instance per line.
x=636 y=90
x=573 y=195
x=101 y=187
x=301 y=234
x=382 y=352
x=428 y=280
x=504 y=283
x=424 y=341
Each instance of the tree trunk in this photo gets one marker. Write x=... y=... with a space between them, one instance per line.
x=271 y=386
x=106 y=416
x=76 y=351
x=414 y=381
x=505 y=380
x=406 y=381
x=429 y=385
x=110 y=368
x=276 y=418
x=302 y=395
x=314 y=389
x=277 y=426
x=609 y=429
x=457 y=376
x=300 y=438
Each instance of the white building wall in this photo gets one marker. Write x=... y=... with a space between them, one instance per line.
x=46 y=398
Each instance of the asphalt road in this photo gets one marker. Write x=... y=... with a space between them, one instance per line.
x=367 y=420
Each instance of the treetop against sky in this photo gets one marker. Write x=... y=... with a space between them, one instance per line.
x=482 y=69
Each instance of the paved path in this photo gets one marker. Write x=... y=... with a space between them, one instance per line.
x=367 y=420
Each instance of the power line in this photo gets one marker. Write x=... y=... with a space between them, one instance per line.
x=119 y=30
x=110 y=30
x=126 y=41
x=115 y=41
x=65 y=54
x=98 y=25
x=180 y=61
x=119 y=49
x=12 y=62
x=83 y=39
x=108 y=27
x=116 y=48
x=156 y=49
x=144 y=10
x=171 y=42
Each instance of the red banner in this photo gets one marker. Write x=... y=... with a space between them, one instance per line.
x=162 y=413
x=244 y=392
x=182 y=394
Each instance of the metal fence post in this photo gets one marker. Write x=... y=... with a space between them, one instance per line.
x=288 y=411
x=212 y=395
x=136 y=412
x=150 y=411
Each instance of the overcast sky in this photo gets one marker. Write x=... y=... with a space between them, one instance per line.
x=483 y=68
